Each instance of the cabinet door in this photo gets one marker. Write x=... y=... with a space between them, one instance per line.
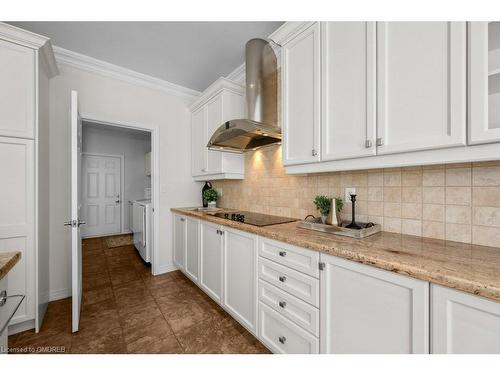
x=240 y=277
x=214 y=120
x=484 y=82
x=463 y=323
x=17 y=213
x=211 y=260
x=192 y=248
x=17 y=90
x=421 y=85
x=180 y=242
x=301 y=97
x=348 y=123
x=198 y=144
x=368 y=310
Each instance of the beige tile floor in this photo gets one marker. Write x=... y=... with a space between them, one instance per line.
x=127 y=310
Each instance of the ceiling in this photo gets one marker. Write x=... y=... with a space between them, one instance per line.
x=190 y=54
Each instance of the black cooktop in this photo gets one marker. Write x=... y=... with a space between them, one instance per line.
x=253 y=218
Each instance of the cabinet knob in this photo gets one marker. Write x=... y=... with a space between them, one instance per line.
x=380 y=141
x=282 y=339
x=368 y=143
x=282 y=304
x=282 y=279
x=314 y=152
x=282 y=253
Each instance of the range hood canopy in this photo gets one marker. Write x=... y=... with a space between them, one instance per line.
x=261 y=128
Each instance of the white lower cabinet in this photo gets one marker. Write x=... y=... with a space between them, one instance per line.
x=240 y=277
x=462 y=323
x=192 y=248
x=283 y=336
x=179 y=241
x=211 y=260
x=368 y=310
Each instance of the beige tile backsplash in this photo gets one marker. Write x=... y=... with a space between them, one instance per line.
x=457 y=202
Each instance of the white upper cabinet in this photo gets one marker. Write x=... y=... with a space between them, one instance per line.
x=484 y=82
x=17 y=90
x=463 y=323
x=348 y=123
x=421 y=85
x=365 y=310
x=223 y=101
x=301 y=96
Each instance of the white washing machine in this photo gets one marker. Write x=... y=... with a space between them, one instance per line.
x=142 y=224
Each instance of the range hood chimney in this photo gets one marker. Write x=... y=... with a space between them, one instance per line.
x=261 y=128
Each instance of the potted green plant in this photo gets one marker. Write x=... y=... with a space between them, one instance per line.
x=323 y=204
x=211 y=196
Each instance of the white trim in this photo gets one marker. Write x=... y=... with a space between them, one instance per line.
x=288 y=30
x=21 y=327
x=154 y=129
x=122 y=186
x=238 y=75
x=58 y=294
x=28 y=39
x=215 y=88
x=460 y=154
x=90 y=64
x=170 y=267
x=220 y=176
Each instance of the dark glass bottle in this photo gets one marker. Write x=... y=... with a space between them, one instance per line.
x=207 y=186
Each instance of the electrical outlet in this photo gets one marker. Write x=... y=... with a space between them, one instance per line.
x=219 y=191
x=348 y=192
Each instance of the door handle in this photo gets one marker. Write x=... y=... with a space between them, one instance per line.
x=69 y=223
x=80 y=222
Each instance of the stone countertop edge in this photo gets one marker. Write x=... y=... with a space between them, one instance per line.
x=7 y=261
x=469 y=268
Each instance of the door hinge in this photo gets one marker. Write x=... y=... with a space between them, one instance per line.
x=321 y=266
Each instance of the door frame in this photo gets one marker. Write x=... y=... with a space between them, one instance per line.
x=154 y=130
x=122 y=182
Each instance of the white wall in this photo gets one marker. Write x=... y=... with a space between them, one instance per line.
x=109 y=98
x=132 y=145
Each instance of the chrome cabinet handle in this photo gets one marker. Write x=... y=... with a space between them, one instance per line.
x=68 y=223
x=314 y=152
x=368 y=143
x=282 y=339
x=282 y=304
x=282 y=253
x=117 y=201
x=182 y=219
x=380 y=142
x=81 y=222
x=282 y=279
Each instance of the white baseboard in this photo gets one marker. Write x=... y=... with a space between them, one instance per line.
x=21 y=327
x=166 y=268
x=55 y=295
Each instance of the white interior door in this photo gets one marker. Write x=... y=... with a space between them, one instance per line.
x=75 y=222
x=101 y=201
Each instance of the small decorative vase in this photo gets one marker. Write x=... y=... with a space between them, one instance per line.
x=212 y=204
x=323 y=218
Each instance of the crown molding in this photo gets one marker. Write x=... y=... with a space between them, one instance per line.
x=288 y=30
x=238 y=74
x=215 y=88
x=90 y=64
x=31 y=40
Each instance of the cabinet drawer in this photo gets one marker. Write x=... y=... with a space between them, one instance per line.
x=283 y=336
x=301 y=313
x=291 y=256
x=299 y=285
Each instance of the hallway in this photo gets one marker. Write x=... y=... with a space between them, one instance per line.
x=127 y=310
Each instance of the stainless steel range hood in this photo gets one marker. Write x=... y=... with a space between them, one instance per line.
x=261 y=128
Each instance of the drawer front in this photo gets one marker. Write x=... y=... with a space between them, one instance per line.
x=301 y=313
x=282 y=335
x=299 y=285
x=291 y=256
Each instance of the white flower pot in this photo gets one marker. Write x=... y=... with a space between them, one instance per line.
x=212 y=204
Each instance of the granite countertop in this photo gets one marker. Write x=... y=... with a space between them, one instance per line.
x=7 y=261
x=469 y=268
